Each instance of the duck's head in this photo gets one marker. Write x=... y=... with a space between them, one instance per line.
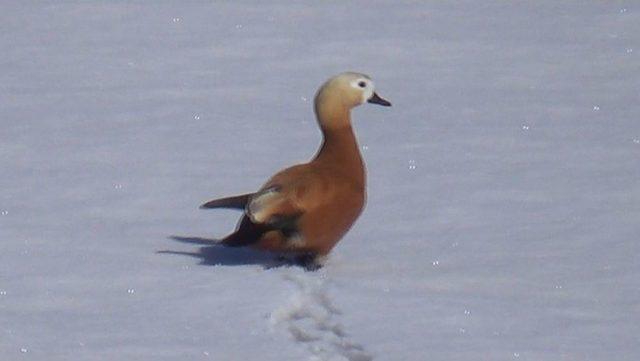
x=343 y=92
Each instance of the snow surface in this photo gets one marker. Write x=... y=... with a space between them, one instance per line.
x=504 y=184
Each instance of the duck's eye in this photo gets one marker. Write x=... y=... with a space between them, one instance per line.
x=362 y=84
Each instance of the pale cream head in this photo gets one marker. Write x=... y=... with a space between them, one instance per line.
x=338 y=95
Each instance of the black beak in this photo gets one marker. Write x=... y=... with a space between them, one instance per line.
x=375 y=99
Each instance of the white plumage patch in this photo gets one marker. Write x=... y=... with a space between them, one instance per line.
x=367 y=89
x=296 y=240
x=258 y=207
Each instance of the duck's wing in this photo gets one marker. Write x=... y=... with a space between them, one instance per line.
x=278 y=205
x=235 y=202
x=274 y=206
x=267 y=210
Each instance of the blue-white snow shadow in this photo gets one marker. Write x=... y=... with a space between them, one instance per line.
x=213 y=254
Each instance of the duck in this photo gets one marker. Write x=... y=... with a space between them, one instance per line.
x=303 y=211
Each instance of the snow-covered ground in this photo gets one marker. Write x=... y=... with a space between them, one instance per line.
x=503 y=218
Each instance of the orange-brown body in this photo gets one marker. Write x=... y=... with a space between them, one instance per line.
x=331 y=191
x=307 y=208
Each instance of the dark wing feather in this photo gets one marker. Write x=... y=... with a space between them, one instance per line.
x=247 y=233
x=235 y=202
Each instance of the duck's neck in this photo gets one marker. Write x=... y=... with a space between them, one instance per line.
x=339 y=147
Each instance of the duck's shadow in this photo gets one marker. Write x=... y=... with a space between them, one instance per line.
x=213 y=254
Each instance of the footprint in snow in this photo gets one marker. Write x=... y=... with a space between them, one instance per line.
x=311 y=319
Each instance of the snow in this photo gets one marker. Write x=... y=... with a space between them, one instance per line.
x=504 y=204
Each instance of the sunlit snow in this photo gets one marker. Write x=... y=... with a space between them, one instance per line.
x=503 y=213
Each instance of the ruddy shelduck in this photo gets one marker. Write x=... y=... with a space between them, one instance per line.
x=306 y=209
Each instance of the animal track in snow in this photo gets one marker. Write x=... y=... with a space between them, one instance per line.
x=310 y=318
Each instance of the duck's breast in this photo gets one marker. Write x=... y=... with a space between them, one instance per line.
x=323 y=226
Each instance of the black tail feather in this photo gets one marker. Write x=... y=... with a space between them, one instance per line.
x=235 y=202
x=246 y=234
